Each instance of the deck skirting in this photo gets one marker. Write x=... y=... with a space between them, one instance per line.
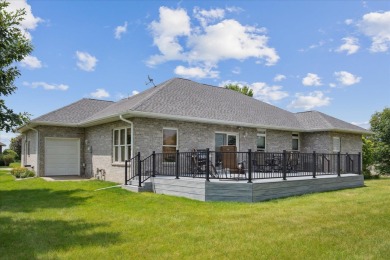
x=259 y=190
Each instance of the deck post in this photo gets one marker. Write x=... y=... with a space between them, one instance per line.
x=139 y=169
x=360 y=163
x=207 y=164
x=126 y=172
x=338 y=163
x=249 y=166
x=177 y=164
x=314 y=164
x=153 y=164
x=284 y=166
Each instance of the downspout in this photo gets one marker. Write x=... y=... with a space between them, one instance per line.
x=132 y=133
x=37 y=147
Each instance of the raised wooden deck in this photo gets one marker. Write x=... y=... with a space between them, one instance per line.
x=259 y=190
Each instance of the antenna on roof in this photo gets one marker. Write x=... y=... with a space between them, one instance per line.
x=150 y=81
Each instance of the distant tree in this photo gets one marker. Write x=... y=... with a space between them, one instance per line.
x=14 y=46
x=8 y=156
x=368 y=155
x=16 y=145
x=244 y=90
x=380 y=125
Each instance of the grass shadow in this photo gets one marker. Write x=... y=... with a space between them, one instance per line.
x=32 y=239
x=29 y=200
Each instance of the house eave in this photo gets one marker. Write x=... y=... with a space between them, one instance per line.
x=204 y=120
x=132 y=113
x=339 y=130
x=43 y=123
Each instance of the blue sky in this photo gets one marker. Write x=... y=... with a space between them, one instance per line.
x=330 y=56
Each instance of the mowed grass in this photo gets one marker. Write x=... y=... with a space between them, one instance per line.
x=71 y=220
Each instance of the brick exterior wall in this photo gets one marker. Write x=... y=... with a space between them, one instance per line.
x=59 y=132
x=30 y=157
x=96 y=143
x=277 y=141
x=99 y=150
x=322 y=142
x=148 y=135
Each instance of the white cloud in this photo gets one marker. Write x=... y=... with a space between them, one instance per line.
x=196 y=72
x=310 y=101
x=30 y=22
x=207 y=16
x=100 y=93
x=31 y=62
x=279 y=77
x=6 y=137
x=172 y=24
x=46 y=86
x=134 y=92
x=347 y=79
x=236 y=70
x=376 y=26
x=229 y=38
x=348 y=21
x=119 y=30
x=332 y=85
x=86 y=61
x=365 y=124
x=311 y=79
x=267 y=93
x=261 y=90
x=351 y=45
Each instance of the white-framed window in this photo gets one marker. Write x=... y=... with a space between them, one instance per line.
x=336 y=144
x=121 y=138
x=295 y=142
x=222 y=138
x=170 y=144
x=261 y=141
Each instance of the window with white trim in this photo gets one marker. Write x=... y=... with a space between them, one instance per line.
x=169 y=144
x=295 y=142
x=336 y=144
x=261 y=141
x=121 y=144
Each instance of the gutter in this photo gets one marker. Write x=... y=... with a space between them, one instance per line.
x=37 y=147
x=132 y=133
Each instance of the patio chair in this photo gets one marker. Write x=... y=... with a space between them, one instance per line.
x=199 y=164
x=259 y=162
x=229 y=161
x=292 y=162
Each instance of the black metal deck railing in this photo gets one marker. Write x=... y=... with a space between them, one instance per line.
x=239 y=165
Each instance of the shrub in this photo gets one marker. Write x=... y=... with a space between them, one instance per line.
x=8 y=157
x=21 y=172
x=11 y=152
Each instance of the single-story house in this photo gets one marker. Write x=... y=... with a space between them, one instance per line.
x=178 y=114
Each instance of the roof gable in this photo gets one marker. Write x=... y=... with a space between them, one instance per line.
x=317 y=121
x=182 y=99
x=74 y=113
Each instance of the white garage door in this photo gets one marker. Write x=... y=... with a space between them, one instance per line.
x=62 y=156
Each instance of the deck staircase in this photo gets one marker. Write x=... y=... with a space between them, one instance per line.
x=133 y=185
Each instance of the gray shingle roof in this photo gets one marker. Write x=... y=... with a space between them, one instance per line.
x=75 y=112
x=186 y=99
x=317 y=121
x=2 y=144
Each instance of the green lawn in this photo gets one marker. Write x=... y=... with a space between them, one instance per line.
x=70 y=220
